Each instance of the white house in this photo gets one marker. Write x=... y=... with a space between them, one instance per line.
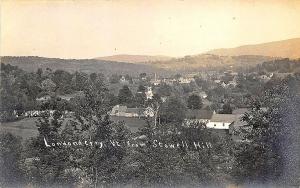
x=221 y=121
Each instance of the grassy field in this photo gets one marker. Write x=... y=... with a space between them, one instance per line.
x=26 y=128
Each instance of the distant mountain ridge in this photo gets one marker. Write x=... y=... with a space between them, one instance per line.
x=285 y=49
x=240 y=57
x=134 y=58
x=210 y=61
x=184 y=64
x=32 y=63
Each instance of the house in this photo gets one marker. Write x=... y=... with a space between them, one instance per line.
x=230 y=83
x=44 y=98
x=122 y=79
x=155 y=82
x=233 y=83
x=185 y=80
x=264 y=78
x=119 y=110
x=123 y=111
x=222 y=122
x=224 y=85
x=169 y=81
x=203 y=95
x=197 y=116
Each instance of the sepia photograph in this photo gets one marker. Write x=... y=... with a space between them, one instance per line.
x=150 y=93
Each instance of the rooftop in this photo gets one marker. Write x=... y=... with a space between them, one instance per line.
x=224 y=118
x=199 y=114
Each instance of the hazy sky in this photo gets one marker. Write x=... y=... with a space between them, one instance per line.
x=87 y=29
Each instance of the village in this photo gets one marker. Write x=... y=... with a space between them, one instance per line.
x=218 y=99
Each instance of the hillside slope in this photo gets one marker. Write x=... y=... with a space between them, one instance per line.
x=32 y=63
x=134 y=58
x=286 y=49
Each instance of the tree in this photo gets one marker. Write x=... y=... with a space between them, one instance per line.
x=48 y=85
x=269 y=135
x=143 y=75
x=164 y=90
x=62 y=80
x=79 y=81
x=125 y=95
x=93 y=77
x=114 y=79
x=62 y=166
x=39 y=73
x=100 y=164
x=129 y=79
x=141 y=88
x=140 y=99
x=10 y=160
x=194 y=102
x=226 y=109
x=177 y=76
x=173 y=111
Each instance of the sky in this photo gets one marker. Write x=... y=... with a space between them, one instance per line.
x=88 y=29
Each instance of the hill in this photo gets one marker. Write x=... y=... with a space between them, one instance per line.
x=285 y=49
x=210 y=61
x=185 y=64
x=32 y=63
x=134 y=58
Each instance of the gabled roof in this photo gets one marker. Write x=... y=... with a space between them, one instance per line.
x=199 y=114
x=227 y=118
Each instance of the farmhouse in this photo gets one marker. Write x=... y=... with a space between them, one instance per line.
x=123 y=111
x=222 y=122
